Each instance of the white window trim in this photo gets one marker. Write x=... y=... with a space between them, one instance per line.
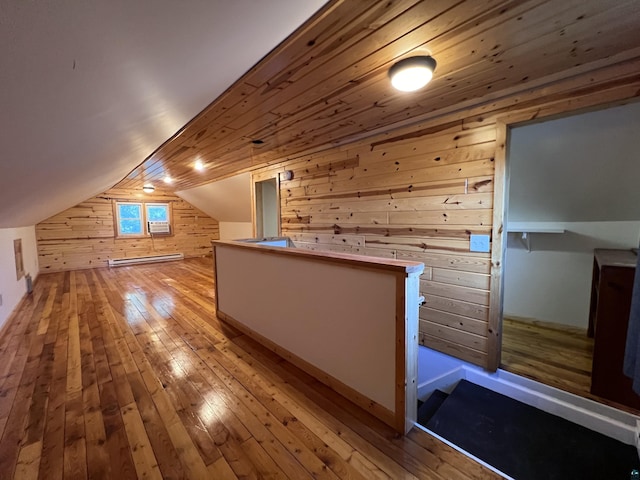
x=157 y=204
x=119 y=233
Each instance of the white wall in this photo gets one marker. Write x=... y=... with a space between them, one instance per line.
x=235 y=230
x=583 y=168
x=578 y=173
x=227 y=200
x=13 y=290
x=270 y=208
x=552 y=283
x=269 y=294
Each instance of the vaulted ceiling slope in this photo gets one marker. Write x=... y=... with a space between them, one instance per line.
x=88 y=90
x=327 y=85
x=92 y=94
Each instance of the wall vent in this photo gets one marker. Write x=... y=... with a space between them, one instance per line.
x=118 y=262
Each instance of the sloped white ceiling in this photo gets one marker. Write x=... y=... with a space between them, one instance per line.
x=88 y=90
x=227 y=200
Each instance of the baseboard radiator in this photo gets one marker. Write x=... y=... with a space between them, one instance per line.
x=119 y=262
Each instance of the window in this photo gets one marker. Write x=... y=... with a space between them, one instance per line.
x=132 y=218
x=129 y=221
x=157 y=212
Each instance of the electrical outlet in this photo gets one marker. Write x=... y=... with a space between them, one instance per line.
x=479 y=243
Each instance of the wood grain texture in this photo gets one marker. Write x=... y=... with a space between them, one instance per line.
x=406 y=197
x=134 y=377
x=84 y=237
x=420 y=191
x=556 y=355
x=385 y=174
x=327 y=84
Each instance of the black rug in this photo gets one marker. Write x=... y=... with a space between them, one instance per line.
x=427 y=409
x=527 y=443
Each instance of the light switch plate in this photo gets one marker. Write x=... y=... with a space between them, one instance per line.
x=479 y=243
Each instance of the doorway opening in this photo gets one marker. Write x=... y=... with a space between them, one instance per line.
x=571 y=192
x=267 y=208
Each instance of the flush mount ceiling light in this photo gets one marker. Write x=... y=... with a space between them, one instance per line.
x=148 y=188
x=412 y=73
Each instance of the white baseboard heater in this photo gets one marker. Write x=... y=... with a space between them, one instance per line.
x=119 y=262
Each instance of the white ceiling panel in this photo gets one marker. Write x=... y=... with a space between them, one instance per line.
x=88 y=90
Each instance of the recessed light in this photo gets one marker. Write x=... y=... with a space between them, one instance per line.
x=199 y=165
x=167 y=179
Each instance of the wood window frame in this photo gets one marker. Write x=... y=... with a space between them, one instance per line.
x=169 y=217
x=143 y=207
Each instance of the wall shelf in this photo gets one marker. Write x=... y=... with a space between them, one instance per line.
x=526 y=229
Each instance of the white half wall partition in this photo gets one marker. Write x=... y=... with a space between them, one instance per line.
x=350 y=321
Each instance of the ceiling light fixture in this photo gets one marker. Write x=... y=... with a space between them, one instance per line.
x=412 y=73
x=148 y=188
x=167 y=179
x=199 y=165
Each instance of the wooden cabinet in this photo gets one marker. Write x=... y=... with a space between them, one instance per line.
x=612 y=284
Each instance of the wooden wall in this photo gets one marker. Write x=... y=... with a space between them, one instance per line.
x=415 y=199
x=419 y=192
x=83 y=236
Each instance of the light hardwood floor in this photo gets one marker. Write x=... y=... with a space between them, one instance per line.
x=553 y=355
x=127 y=373
x=560 y=357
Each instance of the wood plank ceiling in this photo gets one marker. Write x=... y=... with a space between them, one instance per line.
x=327 y=84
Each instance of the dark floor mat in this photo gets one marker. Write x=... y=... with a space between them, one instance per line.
x=527 y=443
x=428 y=408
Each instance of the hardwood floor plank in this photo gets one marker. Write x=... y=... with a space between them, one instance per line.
x=166 y=454
x=51 y=463
x=29 y=461
x=560 y=357
x=98 y=465
x=75 y=447
x=18 y=401
x=117 y=446
x=126 y=373
x=43 y=325
x=221 y=469
x=144 y=458
x=556 y=355
x=40 y=396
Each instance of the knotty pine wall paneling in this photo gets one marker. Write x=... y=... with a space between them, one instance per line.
x=416 y=198
x=83 y=236
x=418 y=192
